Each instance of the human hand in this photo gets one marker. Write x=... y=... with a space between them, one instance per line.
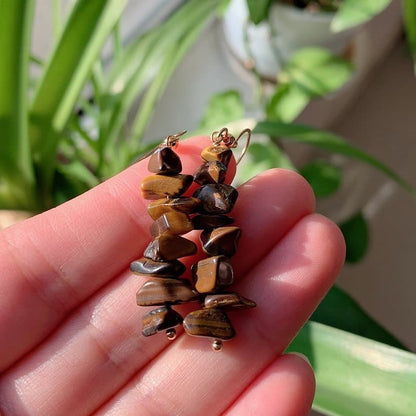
x=70 y=330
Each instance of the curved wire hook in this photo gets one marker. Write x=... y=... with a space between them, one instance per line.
x=244 y=151
x=230 y=141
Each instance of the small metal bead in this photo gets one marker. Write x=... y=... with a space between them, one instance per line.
x=217 y=345
x=171 y=334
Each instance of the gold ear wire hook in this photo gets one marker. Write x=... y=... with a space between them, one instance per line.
x=173 y=139
x=230 y=141
x=170 y=141
x=248 y=131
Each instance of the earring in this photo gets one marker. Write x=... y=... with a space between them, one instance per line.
x=175 y=215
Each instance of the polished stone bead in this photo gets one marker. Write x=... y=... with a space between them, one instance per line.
x=216 y=198
x=200 y=222
x=160 y=319
x=149 y=267
x=220 y=153
x=159 y=186
x=165 y=161
x=220 y=241
x=210 y=172
x=212 y=274
x=168 y=247
x=187 y=205
x=160 y=291
x=228 y=301
x=209 y=323
x=173 y=223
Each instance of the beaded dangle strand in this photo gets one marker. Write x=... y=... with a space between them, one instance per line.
x=160 y=259
x=219 y=239
x=175 y=215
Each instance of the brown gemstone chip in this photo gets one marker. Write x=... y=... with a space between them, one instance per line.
x=220 y=241
x=216 y=198
x=160 y=319
x=173 y=223
x=149 y=267
x=159 y=186
x=209 y=323
x=220 y=153
x=212 y=274
x=187 y=205
x=165 y=161
x=210 y=172
x=200 y=222
x=168 y=247
x=161 y=291
x=228 y=302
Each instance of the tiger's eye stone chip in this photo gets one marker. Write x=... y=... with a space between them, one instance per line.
x=216 y=198
x=187 y=205
x=149 y=267
x=165 y=161
x=217 y=153
x=228 y=302
x=168 y=247
x=173 y=223
x=209 y=323
x=160 y=319
x=160 y=291
x=212 y=274
x=159 y=186
x=200 y=222
x=220 y=241
x=210 y=172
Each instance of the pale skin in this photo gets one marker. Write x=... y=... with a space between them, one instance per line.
x=70 y=330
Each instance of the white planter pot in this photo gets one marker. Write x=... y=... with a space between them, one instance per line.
x=270 y=44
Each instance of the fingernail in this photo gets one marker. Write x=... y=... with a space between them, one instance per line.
x=300 y=355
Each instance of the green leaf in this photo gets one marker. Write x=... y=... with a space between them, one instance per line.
x=150 y=59
x=316 y=71
x=260 y=157
x=69 y=66
x=323 y=177
x=16 y=168
x=327 y=141
x=258 y=10
x=222 y=108
x=354 y=12
x=287 y=102
x=356 y=236
x=340 y=310
x=409 y=14
x=356 y=376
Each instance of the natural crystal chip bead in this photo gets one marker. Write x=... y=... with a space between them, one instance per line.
x=216 y=198
x=212 y=323
x=212 y=274
x=187 y=205
x=201 y=222
x=160 y=319
x=168 y=247
x=161 y=291
x=228 y=302
x=217 y=153
x=210 y=172
x=165 y=161
x=220 y=241
x=173 y=223
x=149 y=267
x=159 y=186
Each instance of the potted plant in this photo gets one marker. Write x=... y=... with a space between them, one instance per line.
x=65 y=130
x=265 y=34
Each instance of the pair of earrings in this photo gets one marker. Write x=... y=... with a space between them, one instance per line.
x=175 y=215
